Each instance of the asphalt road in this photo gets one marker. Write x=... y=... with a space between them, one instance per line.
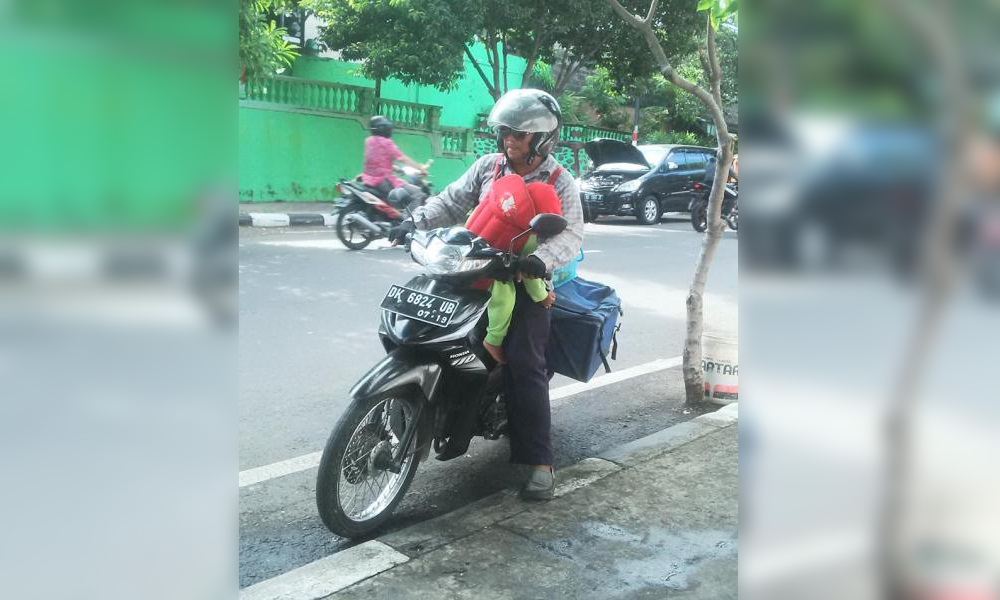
x=308 y=319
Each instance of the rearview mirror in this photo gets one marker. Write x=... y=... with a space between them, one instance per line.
x=548 y=224
x=671 y=166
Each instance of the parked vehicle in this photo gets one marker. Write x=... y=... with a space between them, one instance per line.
x=645 y=181
x=699 y=207
x=435 y=366
x=367 y=213
x=827 y=190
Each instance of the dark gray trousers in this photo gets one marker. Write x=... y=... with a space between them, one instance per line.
x=526 y=382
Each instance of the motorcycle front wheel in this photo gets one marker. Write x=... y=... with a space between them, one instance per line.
x=733 y=219
x=355 y=238
x=356 y=489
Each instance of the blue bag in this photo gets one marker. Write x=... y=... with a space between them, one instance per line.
x=584 y=331
x=567 y=271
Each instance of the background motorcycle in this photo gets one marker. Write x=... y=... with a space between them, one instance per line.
x=435 y=387
x=699 y=207
x=366 y=213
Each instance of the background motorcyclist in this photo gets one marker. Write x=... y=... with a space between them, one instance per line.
x=526 y=122
x=381 y=153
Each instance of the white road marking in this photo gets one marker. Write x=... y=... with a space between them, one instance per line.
x=279 y=469
x=308 y=461
x=328 y=244
x=329 y=219
x=565 y=391
x=327 y=575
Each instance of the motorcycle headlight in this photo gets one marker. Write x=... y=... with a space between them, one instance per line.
x=445 y=259
x=629 y=186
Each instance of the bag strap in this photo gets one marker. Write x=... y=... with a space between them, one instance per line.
x=614 y=346
x=497 y=167
x=555 y=175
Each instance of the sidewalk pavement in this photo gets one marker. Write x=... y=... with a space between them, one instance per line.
x=285 y=214
x=653 y=518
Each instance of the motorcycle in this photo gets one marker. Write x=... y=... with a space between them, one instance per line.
x=699 y=207
x=436 y=387
x=366 y=213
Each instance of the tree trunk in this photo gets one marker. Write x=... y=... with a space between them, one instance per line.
x=378 y=87
x=504 y=42
x=495 y=63
x=482 y=75
x=694 y=382
x=530 y=65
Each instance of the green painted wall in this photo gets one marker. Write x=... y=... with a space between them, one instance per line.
x=459 y=106
x=289 y=155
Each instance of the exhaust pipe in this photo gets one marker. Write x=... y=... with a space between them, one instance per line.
x=360 y=219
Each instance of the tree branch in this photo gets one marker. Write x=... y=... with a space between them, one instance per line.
x=495 y=62
x=715 y=70
x=631 y=19
x=504 y=42
x=652 y=11
x=565 y=76
x=530 y=66
x=479 y=70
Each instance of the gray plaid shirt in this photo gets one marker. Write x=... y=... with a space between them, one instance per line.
x=454 y=203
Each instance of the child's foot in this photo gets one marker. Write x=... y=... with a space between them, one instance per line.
x=496 y=352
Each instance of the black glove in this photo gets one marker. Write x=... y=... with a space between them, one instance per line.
x=397 y=235
x=531 y=266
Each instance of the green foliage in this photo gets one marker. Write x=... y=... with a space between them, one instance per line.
x=608 y=104
x=541 y=76
x=574 y=109
x=599 y=89
x=416 y=42
x=719 y=10
x=625 y=54
x=263 y=49
x=675 y=137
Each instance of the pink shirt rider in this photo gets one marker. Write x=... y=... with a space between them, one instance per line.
x=380 y=152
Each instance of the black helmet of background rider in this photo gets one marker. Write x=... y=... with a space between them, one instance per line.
x=380 y=125
x=530 y=111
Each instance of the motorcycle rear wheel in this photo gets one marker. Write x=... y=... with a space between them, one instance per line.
x=353 y=237
x=733 y=219
x=355 y=494
x=699 y=217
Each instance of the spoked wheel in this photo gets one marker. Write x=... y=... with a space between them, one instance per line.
x=356 y=488
x=699 y=217
x=733 y=220
x=352 y=236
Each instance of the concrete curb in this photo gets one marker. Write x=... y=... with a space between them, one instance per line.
x=269 y=219
x=346 y=568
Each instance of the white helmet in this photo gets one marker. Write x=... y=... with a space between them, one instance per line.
x=531 y=111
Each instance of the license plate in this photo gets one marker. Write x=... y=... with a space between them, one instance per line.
x=436 y=310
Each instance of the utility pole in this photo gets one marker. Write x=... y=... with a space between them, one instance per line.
x=635 y=123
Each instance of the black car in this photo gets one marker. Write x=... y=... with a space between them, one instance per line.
x=645 y=181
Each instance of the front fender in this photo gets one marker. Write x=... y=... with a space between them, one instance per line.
x=400 y=369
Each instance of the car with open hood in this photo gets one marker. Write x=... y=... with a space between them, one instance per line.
x=645 y=181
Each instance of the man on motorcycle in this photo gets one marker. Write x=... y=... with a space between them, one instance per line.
x=381 y=153
x=526 y=122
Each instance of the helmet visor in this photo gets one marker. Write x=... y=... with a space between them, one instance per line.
x=503 y=131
